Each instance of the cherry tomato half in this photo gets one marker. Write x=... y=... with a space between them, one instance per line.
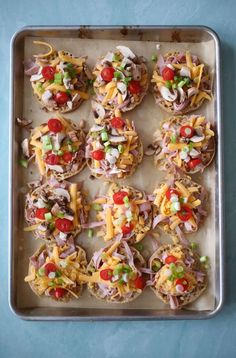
x=98 y=154
x=194 y=163
x=168 y=74
x=64 y=225
x=50 y=267
x=55 y=125
x=170 y=259
x=106 y=274
x=126 y=229
x=40 y=213
x=186 y=131
x=119 y=196
x=61 y=97
x=67 y=157
x=134 y=87
x=52 y=159
x=170 y=192
x=48 y=72
x=139 y=282
x=183 y=282
x=59 y=292
x=117 y=122
x=107 y=74
x=185 y=213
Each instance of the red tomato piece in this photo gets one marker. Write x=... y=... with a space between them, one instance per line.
x=40 y=213
x=170 y=259
x=67 y=157
x=98 y=154
x=107 y=74
x=183 y=282
x=193 y=163
x=134 y=87
x=106 y=274
x=64 y=225
x=186 y=131
x=52 y=159
x=119 y=196
x=50 y=267
x=185 y=213
x=139 y=282
x=168 y=74
x=170 y=192
x=48 y=72
x=59 y=292
x=61 y=97
x=117 y=122
x=55 y=125
x=127 y=229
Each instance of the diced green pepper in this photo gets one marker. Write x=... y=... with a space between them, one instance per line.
x=173 y=139
x=58 y=78
x=117 y=74
x=60 y=215
x=154 y=58
x=60 y=153
x=41 y=272
x=126 y=80
x=194 y=245
x=104 y=136
x=90 y=233
x=116 y=58
x=23 y=163
x=48 y=216
x=121 y=148
x=168 y=84
x=181 y=84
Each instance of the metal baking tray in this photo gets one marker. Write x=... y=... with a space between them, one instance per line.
x=199 y=39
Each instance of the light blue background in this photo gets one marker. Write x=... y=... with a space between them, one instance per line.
x=213 y=338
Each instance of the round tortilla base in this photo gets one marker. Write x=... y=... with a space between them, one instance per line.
x=78 y=290
x=94 y=290
x=138 y=160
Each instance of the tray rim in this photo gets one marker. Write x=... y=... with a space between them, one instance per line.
x=206 y=314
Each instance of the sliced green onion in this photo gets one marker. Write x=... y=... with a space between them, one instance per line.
x=58 y=78
x=41 y=272
x=107 y=149
x=66 y=75
x=126 y=200
x=181 y=200
x=23 y=163
x=90 y=233
x=71 y=70
x=47 y=147
x=48 y=216
x=117 y=74
x=68 y=91
x=126 y=80
x=51 y=283
x=51 y=226
x=126 y=269
x=121 y=281
x=97 y=207
x=115 y=57
x=60 y=153
x=190 y=146
x=60 y=215
x=173 y=139
x=156 y=265
x=60 y=281
x=58 y=274
x=121 y=68
x=121 y=148
x=168 y=84
x=139 y=246
x=187 y=80
x=70 y=148
x=69 y=141
x=181 y=84
x=194 y=245
x=179 y=269
x=107 y=143
x=104 y=136
x=39 y=87
x=154 y=58
x=180 y=274
x=177 y=78
x=203 y=259
x=46 y=140
x=174 y=85
x=172 y=266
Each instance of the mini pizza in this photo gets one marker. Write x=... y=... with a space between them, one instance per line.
x=55 y=211
x=178 y=275
x=59 y=79
x=54 y=272
x=121 y=80
x=179 y=207
x=58 y=148
x=181 y=82
x=124 y=212
x=186 y=143
x=115 y=274
x=114 y=149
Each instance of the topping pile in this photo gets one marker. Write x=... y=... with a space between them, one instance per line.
x=121 y=80
x=114 y=149
x=54 y=271
x=187 y=143
x=181 y=82
x=125 y=213
x=115 y=273
x=55 y=211
x=59 y=79
x=179 y=207
x=58 y=148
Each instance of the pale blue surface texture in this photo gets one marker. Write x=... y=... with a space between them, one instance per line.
x=213 y=338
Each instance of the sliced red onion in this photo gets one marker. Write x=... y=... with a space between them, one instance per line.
x=62 y=192
x=192 y=91
x=160 y=63
x=180 y=235
x=147 y=270
x=181 y=106
x=119 y=256
x=173 y=302
x=182 y=95
x=188 y=226
x=31 y=68
x=144 y=207
x=157 y=220
x=97 y=257
x=94 y=224
x=167 y=94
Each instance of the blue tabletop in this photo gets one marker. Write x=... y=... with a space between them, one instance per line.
x=215 y=337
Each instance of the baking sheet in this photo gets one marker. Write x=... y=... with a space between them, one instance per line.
x=147 y=117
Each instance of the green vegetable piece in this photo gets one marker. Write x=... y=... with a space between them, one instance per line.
x=60 y=281
x=179 y=269
x=126 y=200
x=90 y=233
x=51 y=226
x=139 y=246
x=71 y=70
x=60 y=153
x=107 y=143
x=203 y=259
x=23 y=163
x=126 y=269
x=187 y=80
x=47 y=147
x=190 y=146
x=116 y=58
x=121 y=281
x=107 y=149
x=181 y=200
x=39 y=87
x=174 y=85
x=70 y=148
x=154 y=58
x=121 y=148
x=156 y=265
x=181 y=84
x=58 y=78
x=41 y=272
x=66 y=75
x=168 y=84
x=173 y=139
x=60 y=215
x=97 y=207
x=117 y=74
x=68 y=92
x=58 y=274
x=126 y=80
x=51 y=283
x=104 y=136
x=172 y=266
x=48 y=216
x=180 y=274
x=46 y=140
x=194 y=245
x=121 y=68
